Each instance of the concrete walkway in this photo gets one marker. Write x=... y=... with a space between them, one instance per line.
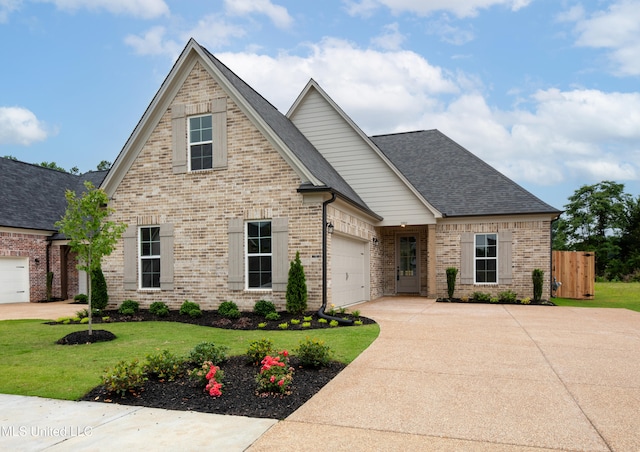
x=440 y=377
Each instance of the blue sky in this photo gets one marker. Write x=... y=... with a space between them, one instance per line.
x=546 y=91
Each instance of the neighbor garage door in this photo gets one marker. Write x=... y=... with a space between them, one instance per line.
x=349 y=271
x=14 y=280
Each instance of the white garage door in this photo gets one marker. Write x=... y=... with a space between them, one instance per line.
x=349 y=271
x=14 y=279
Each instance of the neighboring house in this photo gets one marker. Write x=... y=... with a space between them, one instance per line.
x=31 y=201
x=220 y=190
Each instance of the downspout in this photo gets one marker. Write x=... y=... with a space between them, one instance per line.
x=551 y=279
x=321 y=313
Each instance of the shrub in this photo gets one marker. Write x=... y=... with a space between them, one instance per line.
x=99 y=295
x=357 y=322
x=356 y=314
x=283 y=326
x=452 y=273
x=129 y=307
x=124 y=377
x=538 y=281
x=214 y=381
x=264 y=307
x=272 y=316
x=202 y=372
x=262 y=325
x=295 y=321
x=307 y=318
x=481 y=296
x=164 y=365
x=188 y=307
x=508 y=296
x=306 y=324
x=229 y=310
x=525 y=300
x=258 y=350
x=296 y=288
x=82 y=313
x=334 y=323
x=494 y=299
x=159 y=308
x=49 y=285
x=313 y=353
x=81 y=298
x=322 y=320
x=84 y=320
x=208 y=351
x=275 y=374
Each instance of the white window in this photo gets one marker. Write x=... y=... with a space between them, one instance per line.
x=258 y=255
x=486 y=259
x=200 y=142
x=149 y=257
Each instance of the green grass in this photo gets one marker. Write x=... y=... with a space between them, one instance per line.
x=33 y=364
x=609 y=295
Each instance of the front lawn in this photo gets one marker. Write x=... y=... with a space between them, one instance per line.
x=33 y=364
x=608 y=295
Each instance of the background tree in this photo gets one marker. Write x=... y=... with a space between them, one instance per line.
x=630 y=242
x=104 y=165
x=91 y=235
x=296 y=288
x=594 y=220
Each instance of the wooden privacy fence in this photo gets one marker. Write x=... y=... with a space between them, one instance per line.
x=576 y=271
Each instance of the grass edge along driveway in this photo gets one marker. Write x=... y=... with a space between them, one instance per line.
x=608 y=295
x=32 y=364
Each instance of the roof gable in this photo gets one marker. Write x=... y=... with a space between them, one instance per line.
x=299 y=153
x=453 y=179
x=33 y=197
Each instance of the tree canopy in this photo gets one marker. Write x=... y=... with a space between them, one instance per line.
x=601 y=218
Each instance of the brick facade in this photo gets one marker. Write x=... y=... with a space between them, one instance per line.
x=35 y=247
x=530 y=250
x=257 y=183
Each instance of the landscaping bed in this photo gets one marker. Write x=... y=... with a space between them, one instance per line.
x=238 y=393
x=496 y=301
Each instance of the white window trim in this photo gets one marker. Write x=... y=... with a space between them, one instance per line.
x=141 y=257
x=475 y=260
x=190 y=143
x=246 y=257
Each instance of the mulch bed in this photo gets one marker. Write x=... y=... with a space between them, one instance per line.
x=471 y=300
x=239 y=391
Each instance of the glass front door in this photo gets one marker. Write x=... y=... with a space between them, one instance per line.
x=407 y=275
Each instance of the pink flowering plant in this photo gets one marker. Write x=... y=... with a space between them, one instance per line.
x=275 y=375
x=214 y=376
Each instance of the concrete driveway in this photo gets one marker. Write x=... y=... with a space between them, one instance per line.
x=479 y=377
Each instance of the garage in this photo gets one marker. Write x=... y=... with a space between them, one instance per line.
x=349 y=270
x=14 y=279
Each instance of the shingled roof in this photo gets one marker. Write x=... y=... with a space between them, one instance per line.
x=291 y=136
x=454 y=180
x=33 y=196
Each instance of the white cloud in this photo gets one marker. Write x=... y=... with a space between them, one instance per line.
x=449 y=33
x=20 y=126
x=153 y=42
x=617 y=30
x=460 y=8
x=278 y=14
x=7 y=7
x=146 y=9
x=390 y=39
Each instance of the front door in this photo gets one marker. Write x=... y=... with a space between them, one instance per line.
x=407 y=274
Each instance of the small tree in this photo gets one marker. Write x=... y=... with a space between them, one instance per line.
x=296 y=288
x=538 y=281
x=90 y=236
x=452 y=272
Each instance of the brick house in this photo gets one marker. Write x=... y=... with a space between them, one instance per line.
x=32 y=200
x=220 y=190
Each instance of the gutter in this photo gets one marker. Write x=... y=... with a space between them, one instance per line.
x=321 y=312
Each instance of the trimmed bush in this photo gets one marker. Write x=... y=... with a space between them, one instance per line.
x=208 y=351
x=124 y=377
x=229 y=310
x=264 y=307
x=296 y=288
x=538 y=281
x=452 y=272
x=313 y=353
x=159 y=308
x=481 y=296
x=190 y=308
x=272 y=316
x=164 y=365
x=99 y=295
x=129 y=307
x=508 y=296
x=257 y=350
x=81 y=298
